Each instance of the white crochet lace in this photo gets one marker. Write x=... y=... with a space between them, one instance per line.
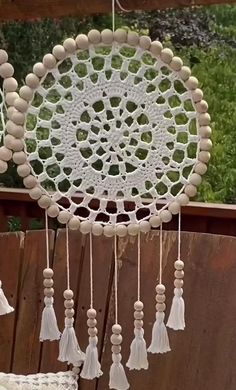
x=114 y=124
x=59 y=381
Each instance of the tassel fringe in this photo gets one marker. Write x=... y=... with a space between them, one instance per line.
x=92 y=367
x=69 y=350
x=160 y=340
x=5 y=308
x=176 y=318
x=138 y=352
x=49 y=328
x=118 y=379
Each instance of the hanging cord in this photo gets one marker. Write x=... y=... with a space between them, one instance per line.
x=116 y=280
x=67 y=258
x=47 y=239
x=139 y=267
x=114 y=2
x=179 y=235
x=91 y=268
x=161 y=255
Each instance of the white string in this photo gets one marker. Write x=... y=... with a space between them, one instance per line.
x=139 y=267
x=47 y=239
x=67 y=258
x=161 y=255
x=113 y=12
x=91 y=269
x=116 y=279
x=179 y=235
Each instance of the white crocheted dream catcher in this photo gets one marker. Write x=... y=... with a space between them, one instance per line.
x=111 y=136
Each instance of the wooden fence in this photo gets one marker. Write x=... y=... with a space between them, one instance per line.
x=202 y=357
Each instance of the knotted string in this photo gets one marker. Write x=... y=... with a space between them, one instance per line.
x=47 y=239
x=161 y=255
x=179 y=234
x=67 y=258
x=116 y=280
x=91 y=268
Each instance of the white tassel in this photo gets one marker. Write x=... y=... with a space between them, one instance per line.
x=176 y=319
x=118 y=379
x=69 y=350
x=92 y=367
x=5 y=308
x=49 y=328
x=160 y=340
x=138 y=352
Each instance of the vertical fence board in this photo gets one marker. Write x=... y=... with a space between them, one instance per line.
x=11 y=249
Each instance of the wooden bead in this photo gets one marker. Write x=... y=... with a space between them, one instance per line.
x=107 y=36
x=59 y=52
x=69 y=313
x=32 y=80
x=92 y=332
x=116 y=329
x=191 y=83
x=183 y=199
x=160 y=298
x=179 y=265
x=204 y=119
x=10 y=84
x=116 y=349
x=53 y=211
x=179 y=274
x=10 y=112
x=3 y=56
x=29 y=181
x=133 y=229
x=44 y=201
x=144 y=226
x=63 y=216
x=8 y=141
x=94 y=36
x=195 y=179
x=39 y=69
x=166 y=55
x=74 y=223
x=160 y=307
x=185 y=73
x=200 y=168
x=145 y=42
x=85 y=227
x=97 y=229
x=49 y=61
x=16 y=144
x=165 y=216
x=155 y=221
x=35 y=193
x=202 y=106
x=121 y=230
x=49 y=291
x=120 y=35
x=11 y=97
x=197 y=95
x=26 y=93
x=82 y=41
x=91 y=313
x=69 y=303
x=160 y=289
x=18 y=118
x=138 y=315
x=108 y=231
x=3 y=166
x=178 y=283
x=48 y=273
x=116 y=339
x=21 y=104
x=205 y=131
x=92 y=322
x=15 y=130
x=48 y=282
x=70 y=45
x=174 y=208
x=132 y=38
x=138 y=324
x=68 y=294
x=23 y=170
x=76 y=370
x=138 y=305
x=190 y=190
x=6 y=70
x=204 y=156
x=176 y=63
x=156 y=48
x=5 y=153
x=205 y=144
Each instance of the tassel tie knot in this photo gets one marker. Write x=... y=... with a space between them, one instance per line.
x=48 y=301
x=69 y=322
x=178 y=292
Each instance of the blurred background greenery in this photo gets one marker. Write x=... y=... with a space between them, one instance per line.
x=205 y=37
